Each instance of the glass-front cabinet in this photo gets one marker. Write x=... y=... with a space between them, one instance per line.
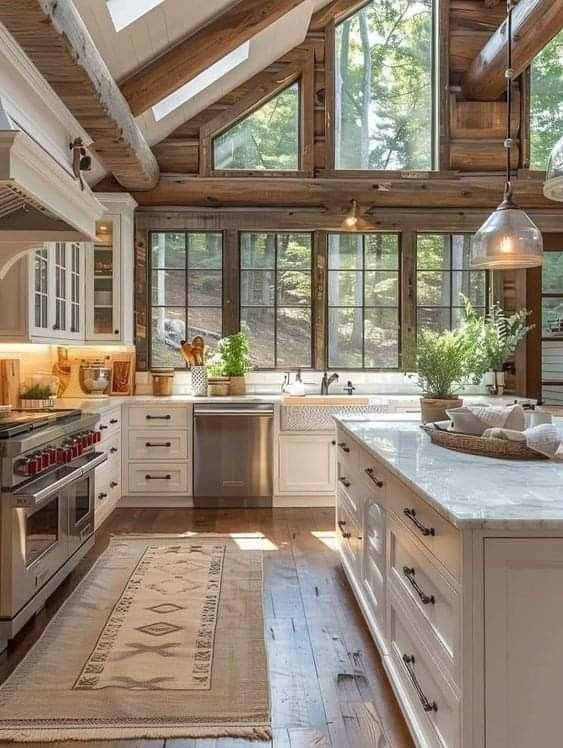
x=104 y=267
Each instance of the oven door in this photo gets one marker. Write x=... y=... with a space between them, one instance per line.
x=81 y=510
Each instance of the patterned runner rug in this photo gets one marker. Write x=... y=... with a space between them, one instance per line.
x=163 y=638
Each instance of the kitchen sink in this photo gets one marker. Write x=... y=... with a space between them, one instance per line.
x=326 y=400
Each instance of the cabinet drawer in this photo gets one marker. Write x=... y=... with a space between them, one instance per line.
x=108 y=483
x=431 y=600
x=112 y=447
x=158 y=444
x=348 y=530
x=435 y=533
x=373 y=475
x=158 y=416
x=429 y=694
x=109 y=424
x=158 y=478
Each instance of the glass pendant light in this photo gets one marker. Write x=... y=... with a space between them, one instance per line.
x=508 y=239
x=553 y=186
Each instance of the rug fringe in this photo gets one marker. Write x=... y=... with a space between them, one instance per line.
x=261 y=733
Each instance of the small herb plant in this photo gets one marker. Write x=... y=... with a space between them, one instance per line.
x=231 y=359
x=441 y=363
x=37 y=392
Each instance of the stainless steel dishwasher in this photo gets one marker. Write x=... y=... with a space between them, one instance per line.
x=233 y=454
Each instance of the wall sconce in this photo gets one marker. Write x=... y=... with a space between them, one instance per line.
x=351 y=220
x=81 y=161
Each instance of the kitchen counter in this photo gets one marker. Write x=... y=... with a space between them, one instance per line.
x=469 y=491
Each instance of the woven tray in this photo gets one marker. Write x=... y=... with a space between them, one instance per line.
x=476 y=445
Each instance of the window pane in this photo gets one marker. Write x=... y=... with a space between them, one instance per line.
x=458 y=315
x=552 y=317
x=386 y=50
x=433 y=289
x=461 y=251
x=294 y=337
x=546 y=102
x=433 y=319
x=205 y=288
x=382 y=338
x=205 y=251
x=382 y=289
x=257 y=287
x=472 y=285
x=267 y=139
x=258 y=325
x=258 y=251
x=169 y=287
x=168 y=250
x=432 y=252
x=205 y=322
x=168 y=329
x=294 y=251
x=345 y=288
x=345 y=252
x=294 y=288
x=345 y=336
x=382 y=251
x=552 y=272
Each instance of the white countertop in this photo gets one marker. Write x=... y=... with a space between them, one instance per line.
x=469 y=491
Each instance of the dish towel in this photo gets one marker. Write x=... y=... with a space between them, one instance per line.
x=476 y=419
x=545 y=438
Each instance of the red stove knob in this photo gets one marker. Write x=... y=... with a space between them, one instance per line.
x=44 y=460
x=52 y=456
x=90 y=438
x=97 y=437
x=84 y=441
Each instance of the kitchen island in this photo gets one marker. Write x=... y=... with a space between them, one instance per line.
x=457 y=564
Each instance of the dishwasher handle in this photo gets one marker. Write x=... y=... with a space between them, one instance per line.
x=252 y=413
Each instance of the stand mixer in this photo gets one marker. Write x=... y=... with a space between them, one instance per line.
x=83 y=378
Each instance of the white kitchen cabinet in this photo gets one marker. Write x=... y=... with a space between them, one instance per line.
x=108 y=474
x=110 y=263
x=306 y=464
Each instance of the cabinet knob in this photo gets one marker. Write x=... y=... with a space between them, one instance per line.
x=116 y=332
x=113 y=484
x=102 y=496
x=113 y=450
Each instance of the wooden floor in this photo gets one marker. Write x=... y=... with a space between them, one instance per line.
x=329 y=689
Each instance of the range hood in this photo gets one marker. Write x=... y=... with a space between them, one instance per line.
x=40 y=200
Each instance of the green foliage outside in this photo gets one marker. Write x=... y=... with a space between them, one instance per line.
x=267 y=139
x=546 y=105
x=384 y=114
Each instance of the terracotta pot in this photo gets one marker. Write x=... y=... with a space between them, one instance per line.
x=435 y=409
x=218 y=386
x=238 y=385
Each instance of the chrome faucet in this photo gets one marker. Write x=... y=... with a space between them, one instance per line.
x=327 y=381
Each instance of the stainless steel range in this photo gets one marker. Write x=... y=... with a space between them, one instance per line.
x=47 y=462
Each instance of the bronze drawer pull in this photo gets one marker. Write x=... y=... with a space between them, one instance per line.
x=370 y=472
x=411 y=514
x=113 y=450
x=341 y=526
x=425 y=599
x=427 y=705
x=103 y=427
x=114 y=420
x=345 y=482
x=158 y=444
x=102 y=496
x=113 y=484
x=158 y=418
x=158 y=477
x=343 y=446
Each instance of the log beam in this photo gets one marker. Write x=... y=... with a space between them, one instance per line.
x=535 y=23
x=54 y=37
x=194 y=54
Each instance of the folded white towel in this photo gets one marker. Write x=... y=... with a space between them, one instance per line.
x=544 y=439
x=475 y=419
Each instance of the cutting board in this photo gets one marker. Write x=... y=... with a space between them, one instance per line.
x=10 y=382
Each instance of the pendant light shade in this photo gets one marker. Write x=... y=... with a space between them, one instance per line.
x=553 y=186
x=508 y=239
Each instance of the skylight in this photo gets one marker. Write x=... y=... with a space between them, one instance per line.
x=202 y=81
x=124 y=12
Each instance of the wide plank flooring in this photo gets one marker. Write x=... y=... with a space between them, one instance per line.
x=328 y=686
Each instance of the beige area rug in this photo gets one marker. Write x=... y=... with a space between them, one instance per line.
x=163 y=638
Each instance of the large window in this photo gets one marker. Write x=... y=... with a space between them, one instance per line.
x=546 y=102
x=552 y=295
x=443 y=278
x=186 y=292
x=266 y=140
x=363 y=301
x=275 y=279
x=384 y=87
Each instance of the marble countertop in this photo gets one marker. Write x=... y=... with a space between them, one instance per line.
x=469 y=491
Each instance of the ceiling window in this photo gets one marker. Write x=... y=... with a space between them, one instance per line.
x=125 y=12
x=384 y=116
x=266 y=140
x=546 y=102
x=363 y=301
x=204 y=80
x=186 y=292
x=443 y=278
x=276 y=298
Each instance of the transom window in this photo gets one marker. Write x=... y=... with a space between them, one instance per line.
x=186 y=292
x=443 y=278
x=363 y=301
x=384 y=114
x=276 y=299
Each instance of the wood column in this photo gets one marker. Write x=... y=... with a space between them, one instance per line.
x=320 y=286
x=231 y=284
x=408 y=300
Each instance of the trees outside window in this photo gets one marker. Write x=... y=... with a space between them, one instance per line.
x=384 y=87
x=266 y=140
x=546 y=102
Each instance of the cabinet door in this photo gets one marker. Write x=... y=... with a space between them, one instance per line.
x=41 y=302
x=307 y=464
x=103 y=271
x=523 y=642
x=373 y=566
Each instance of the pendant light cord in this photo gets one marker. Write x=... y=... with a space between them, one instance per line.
x=509 y=75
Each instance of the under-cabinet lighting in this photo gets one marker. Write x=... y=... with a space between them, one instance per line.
x=202 y=81
x=125 y=12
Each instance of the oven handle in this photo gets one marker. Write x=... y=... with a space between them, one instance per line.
x=25 y=499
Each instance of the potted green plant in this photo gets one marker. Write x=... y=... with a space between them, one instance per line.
x=36 y=396
x=441 y=370
x=218 y=383
x=234 y=352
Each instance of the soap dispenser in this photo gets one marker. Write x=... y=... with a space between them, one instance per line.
x=297 y=389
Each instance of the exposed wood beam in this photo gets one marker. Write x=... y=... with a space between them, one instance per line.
x=53 y=35
x=335 y=12
x=535 y=23
x=194 y=54
x=334 y=194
